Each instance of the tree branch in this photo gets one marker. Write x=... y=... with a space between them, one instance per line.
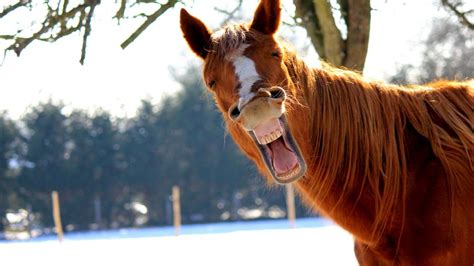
x=121 y=12
x=63 y=22
x=11 y=8
x=150 y=19
x=87 y=31
x=358 y=30
x=462 y=16
x=21 y=43
x=230 y=14
x=55 y=24
x=52 y=19
x=7 y=37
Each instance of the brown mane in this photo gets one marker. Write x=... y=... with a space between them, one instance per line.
x=366 y=141
x=393 y=165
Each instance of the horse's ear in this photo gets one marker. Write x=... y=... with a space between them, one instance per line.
x=267 y=17
x=196 y=33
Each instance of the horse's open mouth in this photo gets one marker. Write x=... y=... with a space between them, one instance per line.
x=279 y=150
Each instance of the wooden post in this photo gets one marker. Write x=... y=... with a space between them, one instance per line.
x=290 y=204
x=57 y=216
x=176 y=209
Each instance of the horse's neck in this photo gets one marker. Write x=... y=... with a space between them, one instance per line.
x=361 y=139
x=340 y=149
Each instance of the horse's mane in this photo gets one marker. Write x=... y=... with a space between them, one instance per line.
x=357 y=133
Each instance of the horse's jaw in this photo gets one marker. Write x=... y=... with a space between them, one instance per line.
x=264 y=119
x=279 y=150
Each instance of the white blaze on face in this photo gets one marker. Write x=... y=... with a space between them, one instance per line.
x=246 y=74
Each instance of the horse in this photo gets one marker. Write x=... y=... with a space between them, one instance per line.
x=390 y=164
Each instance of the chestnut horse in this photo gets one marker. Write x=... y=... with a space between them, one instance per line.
x=392 y=165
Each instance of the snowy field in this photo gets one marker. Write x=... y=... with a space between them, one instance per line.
x=312 y=242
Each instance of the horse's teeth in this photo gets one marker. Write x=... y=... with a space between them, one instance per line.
x=270 y=137
x=292 y=173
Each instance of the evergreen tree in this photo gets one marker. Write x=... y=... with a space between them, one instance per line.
x=92 y=170
x=9 y=144
x=45 y=159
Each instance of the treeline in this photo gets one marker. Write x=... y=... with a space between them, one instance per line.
x=113 y=172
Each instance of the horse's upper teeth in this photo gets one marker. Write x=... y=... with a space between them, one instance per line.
x=270 y=137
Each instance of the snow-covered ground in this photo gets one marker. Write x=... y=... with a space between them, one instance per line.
x=321 y=245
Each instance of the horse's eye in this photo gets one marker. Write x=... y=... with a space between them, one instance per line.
x=276 y=54
x=212 y=84
x=235 y=112
x=277 y=94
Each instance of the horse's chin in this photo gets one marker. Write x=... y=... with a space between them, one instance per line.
x=279 y=151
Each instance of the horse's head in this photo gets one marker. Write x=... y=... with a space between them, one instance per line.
x=244 y=68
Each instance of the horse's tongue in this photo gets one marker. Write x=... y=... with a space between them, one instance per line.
x=283 y=159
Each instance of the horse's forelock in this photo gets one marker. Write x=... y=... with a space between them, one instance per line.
x=229 y=40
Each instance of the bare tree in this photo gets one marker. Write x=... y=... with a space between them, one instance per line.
x=64 y=17
x=338 y=30
x=448 y=53
x=319 y=20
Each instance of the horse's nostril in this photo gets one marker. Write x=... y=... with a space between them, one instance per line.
x=234 y=112
x=277 y=93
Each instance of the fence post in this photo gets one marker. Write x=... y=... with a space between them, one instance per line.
x=176 y=209
x=57 y=216
x=290 y=204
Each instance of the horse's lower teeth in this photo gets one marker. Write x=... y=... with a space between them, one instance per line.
x=292 y=173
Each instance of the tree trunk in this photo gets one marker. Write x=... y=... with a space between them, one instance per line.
x=332 y=39
x=358 y=30
x=317 y=18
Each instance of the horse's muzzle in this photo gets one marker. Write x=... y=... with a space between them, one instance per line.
x=263 y=116
x=267 y=104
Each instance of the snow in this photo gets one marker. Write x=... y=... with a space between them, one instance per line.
x=324 y=245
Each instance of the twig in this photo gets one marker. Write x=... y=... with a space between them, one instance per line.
x=52 y=19
x=7 y=37
x=87 y=31
x=121 y=12
x=150 y=19
x=294 y=19
x=63 y=22
x=462 y=16
x=230 y=14
x=11 y=8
